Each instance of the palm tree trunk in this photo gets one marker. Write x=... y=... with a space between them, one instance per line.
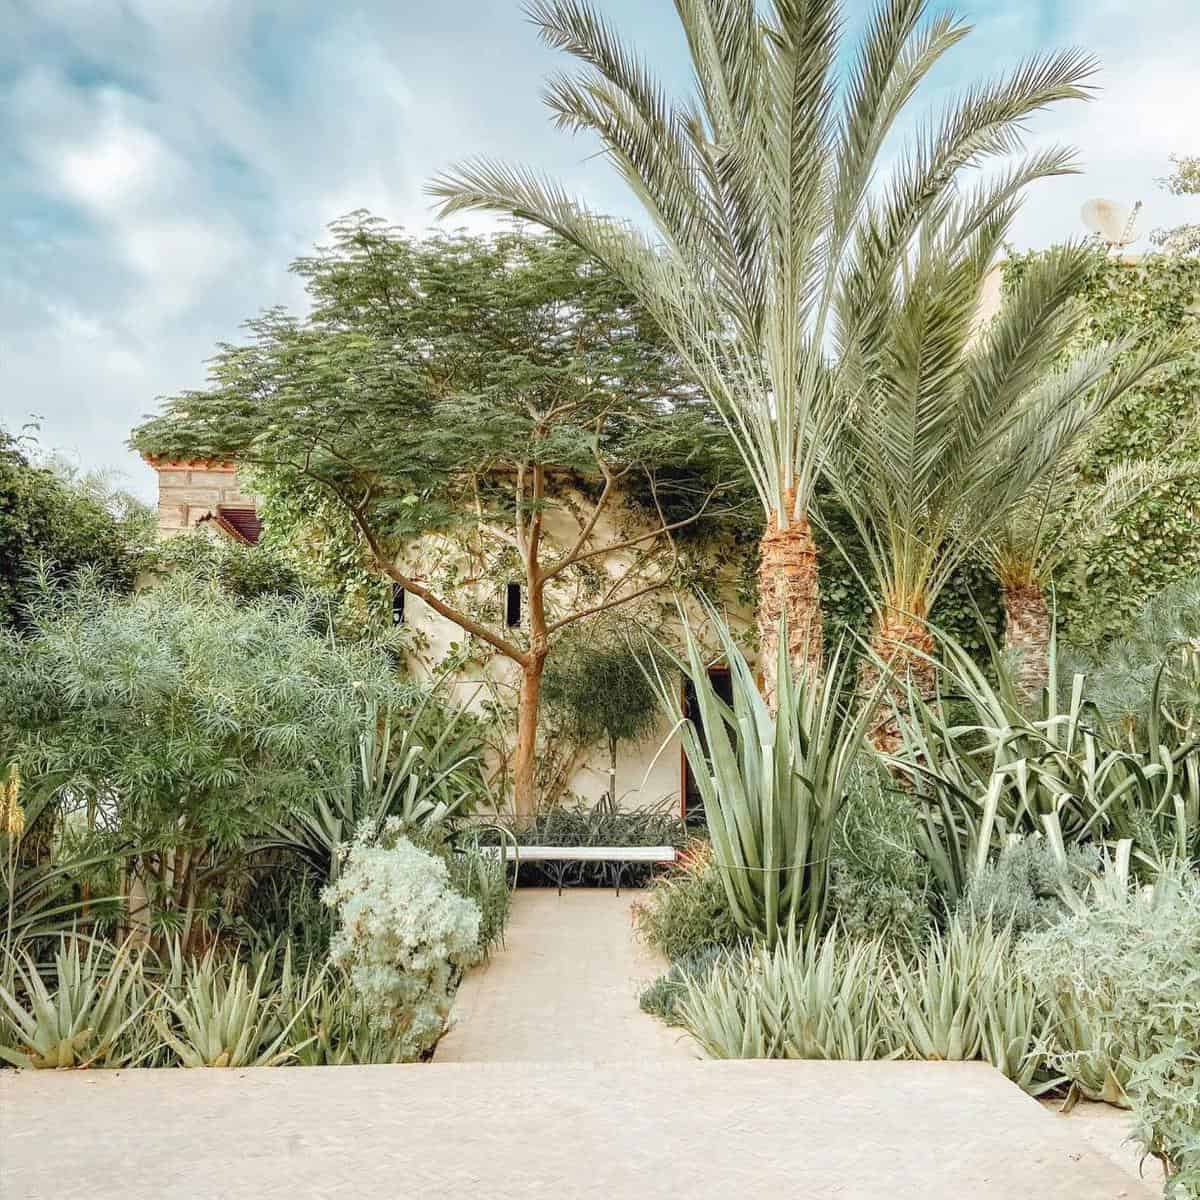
x=789 y=587
x=1027 y=631
x=904 y=644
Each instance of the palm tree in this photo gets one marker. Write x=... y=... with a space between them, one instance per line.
x=1059 y=514
x=766 y=217
x=954 y=426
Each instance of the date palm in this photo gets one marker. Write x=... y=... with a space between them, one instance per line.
x=766 y=217
x=952 y=427
x=1046 y=526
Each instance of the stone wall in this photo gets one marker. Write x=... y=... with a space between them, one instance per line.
x=191 y=491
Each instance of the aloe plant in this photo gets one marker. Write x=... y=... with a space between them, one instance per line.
x=219 y=1014
x=332 y=1026
x=773 y=783
x=813 y=998
x=965 y=998
x=86 y=1020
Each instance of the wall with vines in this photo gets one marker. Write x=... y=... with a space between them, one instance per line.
x=1157 y=540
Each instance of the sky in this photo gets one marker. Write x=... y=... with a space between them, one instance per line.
x=166 y=159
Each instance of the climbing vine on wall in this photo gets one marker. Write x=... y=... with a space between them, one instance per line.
x=1157 y=540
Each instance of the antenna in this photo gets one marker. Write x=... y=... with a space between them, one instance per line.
x=1110 y=222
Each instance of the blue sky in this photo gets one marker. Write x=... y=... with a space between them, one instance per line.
x=165 y=159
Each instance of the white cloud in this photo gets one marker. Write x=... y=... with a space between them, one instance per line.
x=169 y=159
x=117 y=168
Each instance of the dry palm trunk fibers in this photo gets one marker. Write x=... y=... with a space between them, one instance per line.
x=789 y=588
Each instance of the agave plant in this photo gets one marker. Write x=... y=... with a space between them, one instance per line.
x=399 y=772
x=986 y=768
x=775 y=239
x=86 y=1020
x=216 y=1013
x=773 y=783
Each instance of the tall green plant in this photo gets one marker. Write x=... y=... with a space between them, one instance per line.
x=225 y=1014
x=423 y=772
x=773 y=783
x=985 y=768
x=768 y=236
x=85 y=1019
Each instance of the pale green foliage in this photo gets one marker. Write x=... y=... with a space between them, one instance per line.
x=773 y=783
x=812 y=998
x=985 y=768
x=687 y=909
x=332 y=1024
x=961 y=997
x=964 y=998
x=421 y=767
x=1026 y=886
x=221 y=1013
x=1166 y=1111
x=1123 y=979
x=86 y=1020
x=403 y=933
x=189 y=718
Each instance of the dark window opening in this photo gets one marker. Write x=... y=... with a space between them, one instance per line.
x=722 y=682
x=398 y=595
x=512 y=605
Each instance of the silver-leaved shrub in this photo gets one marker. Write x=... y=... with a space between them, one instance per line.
x=1122 y=979
x=403 y=935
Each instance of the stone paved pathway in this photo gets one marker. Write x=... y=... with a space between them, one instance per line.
x=564 y=988
x=527 y=1131
x=553 y=1084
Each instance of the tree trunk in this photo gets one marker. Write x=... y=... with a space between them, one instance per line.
x=1027 y=630
x=902 y=642
x=789 y=587
x=612 y=770
x=525 y=799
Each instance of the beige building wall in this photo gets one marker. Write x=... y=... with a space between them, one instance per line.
x=648 y=773
x=189 y=492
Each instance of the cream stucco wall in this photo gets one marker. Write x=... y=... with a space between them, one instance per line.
x=648 y=773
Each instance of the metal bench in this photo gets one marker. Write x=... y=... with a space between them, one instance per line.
x=565 y=855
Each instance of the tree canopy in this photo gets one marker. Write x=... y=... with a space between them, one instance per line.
x=445 y=395
x=67 y=519
x=427 y=368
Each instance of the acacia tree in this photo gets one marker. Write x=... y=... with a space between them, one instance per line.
x=773 y=242
x=458 y=397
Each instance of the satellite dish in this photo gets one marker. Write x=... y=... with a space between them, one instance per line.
x=1112 y=223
